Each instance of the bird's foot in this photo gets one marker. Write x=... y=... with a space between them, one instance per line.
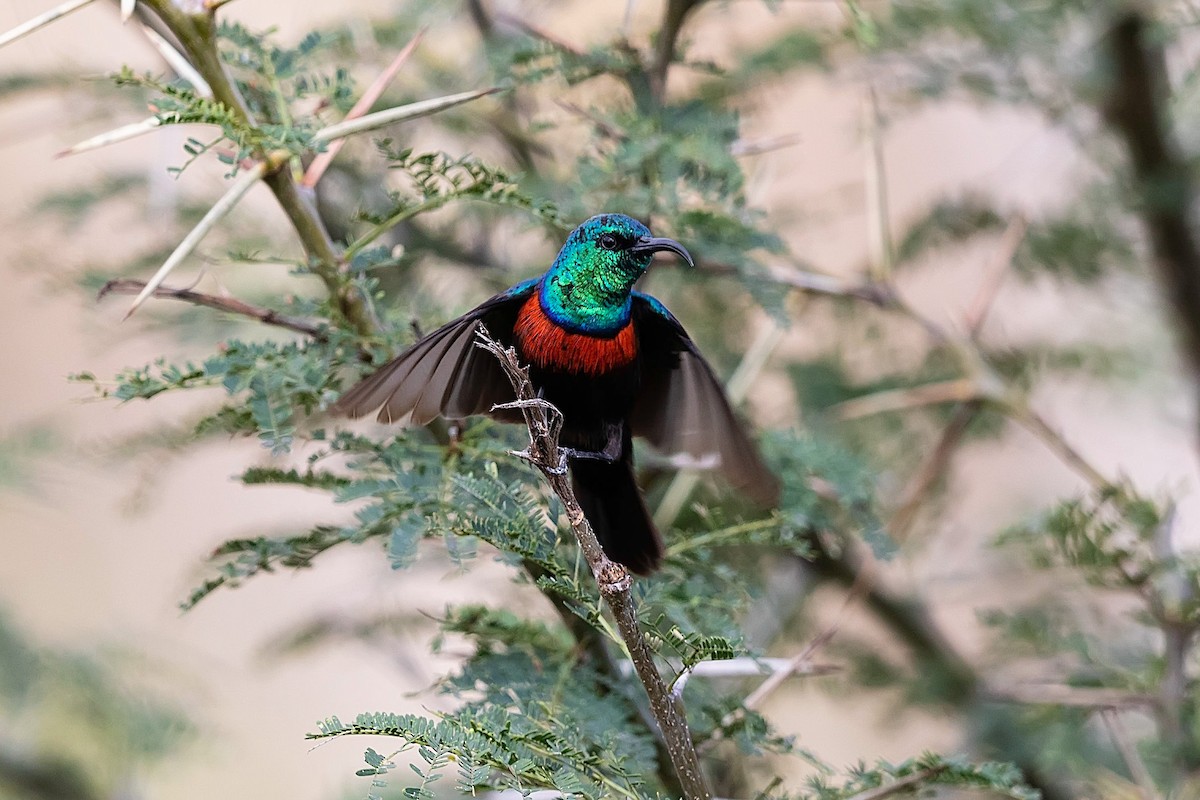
x=591 y=455
x=533 y=402
x=560 y=469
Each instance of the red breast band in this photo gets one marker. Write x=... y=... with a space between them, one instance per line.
x=550 y=346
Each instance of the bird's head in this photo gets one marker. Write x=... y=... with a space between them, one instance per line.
x=588 y=287
x=617 y=245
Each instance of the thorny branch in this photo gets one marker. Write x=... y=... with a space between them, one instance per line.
x=221 y=303
x=544 y=423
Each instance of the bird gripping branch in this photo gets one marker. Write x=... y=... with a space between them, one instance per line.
x=614 y=361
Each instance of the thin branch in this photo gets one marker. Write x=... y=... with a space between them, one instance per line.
x=390 y=116
x=932 y=467
x=1037 y=425
x=1052 y=694
x=1130 y=755
x=958 y=390
x=879 y=225
x=544 y=422
x=121 y=134
x=757 y=147
x=538 y=33
x=221 y=303
x=41 y=20
x=319 y=164
x=215 y=214
x=996 y=272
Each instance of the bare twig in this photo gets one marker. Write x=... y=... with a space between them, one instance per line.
x=931 y=468
x=958 y=390
x=321 y=163
x=1052 y=694
x=215 y=214
x=390 y=116
x=879 y=224
x=1038 y=426
x=538 y=33
x=996 y=272
x=130 y=131
x=41 y=20
x=229 y=304
x=1130 y=755
x=544 y=422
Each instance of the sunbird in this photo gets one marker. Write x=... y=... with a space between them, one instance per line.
x=614 y=361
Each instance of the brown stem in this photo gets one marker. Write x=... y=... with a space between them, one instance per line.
x=1137 y=108
x=230 y=304
x=196 y=34
x=544 y=423
x=931 y=468
x=673 y=18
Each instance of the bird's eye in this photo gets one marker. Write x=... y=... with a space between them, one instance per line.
x=608 y=241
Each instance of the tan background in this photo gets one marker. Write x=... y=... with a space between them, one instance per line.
x=97 y=548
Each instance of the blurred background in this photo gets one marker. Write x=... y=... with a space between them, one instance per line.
x=964 y=161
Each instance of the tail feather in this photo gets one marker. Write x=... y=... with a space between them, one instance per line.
x=613 y=505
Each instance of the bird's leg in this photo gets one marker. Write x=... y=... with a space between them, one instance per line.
x=612 y=450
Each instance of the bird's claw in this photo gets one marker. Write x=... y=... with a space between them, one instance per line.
x=561 y=469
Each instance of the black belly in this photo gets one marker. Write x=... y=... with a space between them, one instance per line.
x=592 y=406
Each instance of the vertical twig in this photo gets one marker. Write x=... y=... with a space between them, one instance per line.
x=1129 y=754
x=544 y=422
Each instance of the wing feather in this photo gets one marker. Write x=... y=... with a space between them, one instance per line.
x=444 y=373
x=682 y=408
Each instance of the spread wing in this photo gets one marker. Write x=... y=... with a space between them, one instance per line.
x=682 y=408
x=443 y=374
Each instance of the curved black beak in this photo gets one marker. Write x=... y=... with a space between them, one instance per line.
x=654 y=244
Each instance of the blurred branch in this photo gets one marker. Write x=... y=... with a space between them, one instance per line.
x=901 y=785
x=931 y=468
x=879 y=226
x=1137 y=107
x=1131 y=756
x=674 y=16
x=228 y=304
x=960 y=389
x=996 y=272
x=1075 y=696
x=544 y=423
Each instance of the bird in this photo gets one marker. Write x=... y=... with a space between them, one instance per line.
x=614 y=361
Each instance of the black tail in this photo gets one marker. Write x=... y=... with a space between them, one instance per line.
x=613 y=505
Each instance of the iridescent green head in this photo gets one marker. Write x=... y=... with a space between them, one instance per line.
x=588 y=287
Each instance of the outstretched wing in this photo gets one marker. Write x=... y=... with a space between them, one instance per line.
x=682 y=409
x=443 y=374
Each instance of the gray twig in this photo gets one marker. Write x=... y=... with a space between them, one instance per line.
x=544 y=422
x=230 y=304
